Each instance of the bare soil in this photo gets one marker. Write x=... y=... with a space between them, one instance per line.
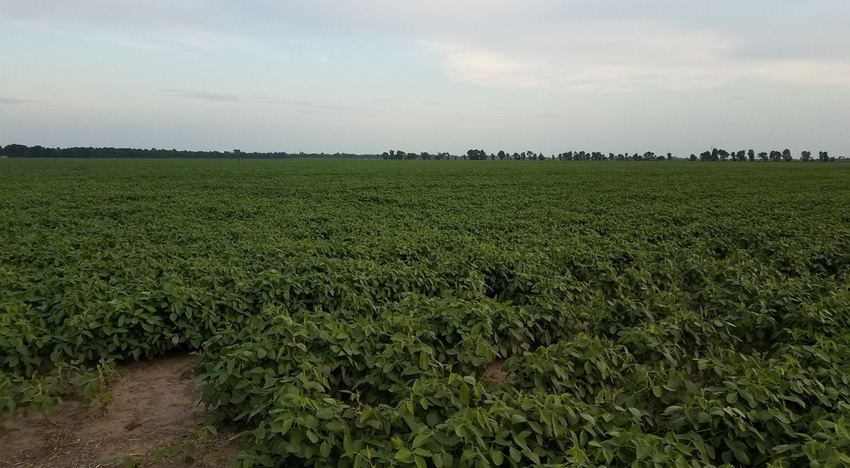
x=495 y=376
x=153 y=409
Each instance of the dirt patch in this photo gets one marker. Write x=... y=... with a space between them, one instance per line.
x=152 y=409
x=495 y=376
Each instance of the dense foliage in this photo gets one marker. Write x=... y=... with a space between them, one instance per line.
x=382 y=313
x=38 y=151
x=716 y=154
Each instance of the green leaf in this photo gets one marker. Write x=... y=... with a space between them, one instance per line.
x=325 y=413
x=516 y=455
x=464 y=394
x=739 y=449
x=403 y=454
x=531 y=455
x=334 y=426
x=496 y=457
x=420 y=440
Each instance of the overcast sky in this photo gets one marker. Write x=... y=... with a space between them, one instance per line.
x=437 y=75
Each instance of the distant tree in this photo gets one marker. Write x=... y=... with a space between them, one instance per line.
x=752 y=155
x=823 y=156
x=502 y=155
x=16 y=151
x=806 y=156
x=669 y=156
x=693 y=157
x=786 y=155
x=763 y=156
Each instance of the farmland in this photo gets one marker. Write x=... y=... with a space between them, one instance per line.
x=383 y=313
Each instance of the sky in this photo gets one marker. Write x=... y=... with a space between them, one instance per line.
x=367 y=76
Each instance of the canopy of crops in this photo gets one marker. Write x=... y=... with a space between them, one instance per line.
x=382 y=313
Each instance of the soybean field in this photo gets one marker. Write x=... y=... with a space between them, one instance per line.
x=446 y=314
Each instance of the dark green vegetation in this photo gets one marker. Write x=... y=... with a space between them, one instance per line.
x=715 y=155
x=38 y=151
x=429 y=314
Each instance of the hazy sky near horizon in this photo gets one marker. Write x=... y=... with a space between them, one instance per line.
x=438 y=75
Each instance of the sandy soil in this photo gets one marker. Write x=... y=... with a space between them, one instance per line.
x=152 y=409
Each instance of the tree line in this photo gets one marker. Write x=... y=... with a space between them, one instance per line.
x=715 y=154
x=23 y=151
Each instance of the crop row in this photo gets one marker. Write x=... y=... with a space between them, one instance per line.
x=376 y=314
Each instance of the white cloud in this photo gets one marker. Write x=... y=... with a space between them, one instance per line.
x=495 y=43
x=817 y=72
x=486 y=68
x=624 y=56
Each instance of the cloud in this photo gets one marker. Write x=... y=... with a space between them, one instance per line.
x=18 y=102
x=624 y=56
x=820 y=72
x=572 y=45
x=149 y=25
x=302 y=106
x=490 y=68
x=612 y=46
